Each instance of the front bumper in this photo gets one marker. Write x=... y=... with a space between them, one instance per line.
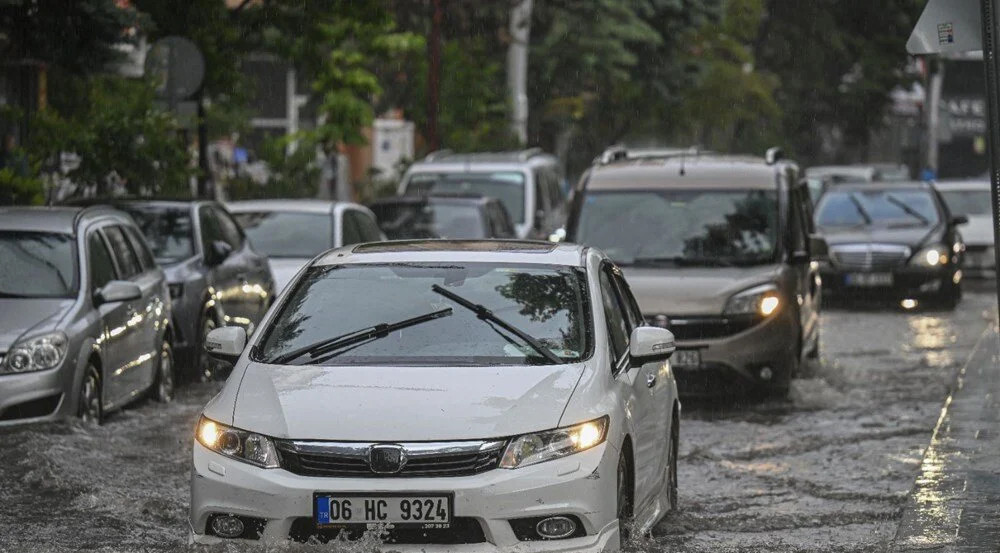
x=734 y=363
x=35 y=396
x=583 y=485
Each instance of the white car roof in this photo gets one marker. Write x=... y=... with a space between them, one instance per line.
x=966 y=184
x=299 y=206
x=458 y=251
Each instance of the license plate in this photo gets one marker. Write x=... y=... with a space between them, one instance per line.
x=869 y=279
x=686 y=359
x=423 y=511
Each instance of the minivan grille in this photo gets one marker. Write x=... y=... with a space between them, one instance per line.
x=703 y=327
x=341 y=462
x=869 y=256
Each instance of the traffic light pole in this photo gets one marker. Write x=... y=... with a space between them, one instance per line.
x=992 y=64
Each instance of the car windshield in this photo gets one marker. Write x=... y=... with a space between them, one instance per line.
x=506 y=186
x=888 y=207
x=684 y=227
x=968 y=202
x=407 y=220
x=167 y=229
x=547 y=302
x=37 y=265
x=287 y=233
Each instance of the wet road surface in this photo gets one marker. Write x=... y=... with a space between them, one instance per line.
x=827 y=470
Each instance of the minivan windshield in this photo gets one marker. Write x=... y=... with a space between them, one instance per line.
x=37 y=265
x=968 y=202
x=167 y=229
x=549 y=303
x=287 y=233
x=885 y=207
x=506 y=186
x=682 y=227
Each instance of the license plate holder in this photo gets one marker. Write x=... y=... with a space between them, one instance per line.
x=372 y=509
x=869 y=280
x=686 y=359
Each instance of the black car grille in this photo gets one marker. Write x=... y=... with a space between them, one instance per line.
x=868 y=257
x=330 y=464
x=703 y=327
x=463 y=530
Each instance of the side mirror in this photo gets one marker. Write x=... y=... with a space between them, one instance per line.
x=960 y=220
x=226 y=343
x=650 y=343
x=117 y=291
x=217 y=252
x=558 y=236
x=819 y=248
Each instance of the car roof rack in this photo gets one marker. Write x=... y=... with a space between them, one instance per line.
x=619 y=153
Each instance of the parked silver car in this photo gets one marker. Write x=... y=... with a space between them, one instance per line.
x=84 y=315
x=292 y=232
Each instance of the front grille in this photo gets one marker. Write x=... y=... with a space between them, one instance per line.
x=868 y=257
x=329 y=459
x=978 y=248
x=463 y=530
x=703 y=327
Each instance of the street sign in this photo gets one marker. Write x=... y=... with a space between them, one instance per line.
x=177 y=67
x=947 y=27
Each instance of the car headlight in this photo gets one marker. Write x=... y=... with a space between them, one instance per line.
x=539 y=447
x=238 y=444
x=759 y=300
x=931 y=257
x=36 y=354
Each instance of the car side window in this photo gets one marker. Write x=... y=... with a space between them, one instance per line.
x=796 y=223
x=210 y=229
x=617 y=326
x=367 y=228
x=128 y=262
x=350 y=233
x=632 y=311
x=102 y=267
x=141 y=248
x=230 y=229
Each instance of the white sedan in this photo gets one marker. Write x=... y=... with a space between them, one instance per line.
x=461 y=396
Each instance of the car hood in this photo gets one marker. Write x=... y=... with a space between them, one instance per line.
x=401 y=403
x=283 y=269
x=907 y=236
x=978 y=231
x=693 y=290
x=29 y=315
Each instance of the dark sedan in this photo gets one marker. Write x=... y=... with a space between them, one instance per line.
x=895 y=240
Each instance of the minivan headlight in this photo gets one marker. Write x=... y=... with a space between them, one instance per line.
x=238 y=444
x=539 y=447
x=36 y=354
x=931 y=257
x=759 y=300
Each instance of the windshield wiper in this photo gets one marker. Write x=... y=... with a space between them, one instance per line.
x=485 y=314
x=909 y=210
x=861 y=209
x=373 y=332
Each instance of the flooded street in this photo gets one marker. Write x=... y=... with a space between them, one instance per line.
x=828 y=470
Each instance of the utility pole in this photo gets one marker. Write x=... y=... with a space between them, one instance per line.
x=434 y=76
x=517 y=67
x=991 y=33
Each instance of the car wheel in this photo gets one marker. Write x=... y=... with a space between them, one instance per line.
x=671 y=476
x=163 y=387
x=89 y=407
x=624 y=496
x=206 y=365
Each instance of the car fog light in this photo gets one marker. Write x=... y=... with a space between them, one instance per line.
x=554 y=528
x=766 y=373
x=227 y=526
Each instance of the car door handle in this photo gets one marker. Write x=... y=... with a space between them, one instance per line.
x=650 y=379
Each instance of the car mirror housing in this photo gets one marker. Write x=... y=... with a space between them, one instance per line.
x=226 y=343
x=819 y=248
x=117 y=291
x=650 y=343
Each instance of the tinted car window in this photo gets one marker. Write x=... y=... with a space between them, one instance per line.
x=141 y=248
x=210 y=229
x=128 y=263
x=168 y=230
x=37 y=265
x=102 y=268
x=367 y=228
x=884 y=207
x=615 y=318
x=549 y=303
x=230 y=230
x=350 y=233
x=287 y=233
x=507 y=186
x=413 y=220
x=682 y=227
